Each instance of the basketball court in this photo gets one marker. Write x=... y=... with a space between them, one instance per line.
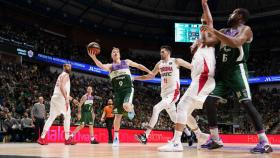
x=127 y=150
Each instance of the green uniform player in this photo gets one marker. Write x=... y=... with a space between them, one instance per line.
x=86 y=115
x=231 y=70
x=122 y=86
x=231 y=75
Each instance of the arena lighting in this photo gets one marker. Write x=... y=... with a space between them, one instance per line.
x=97 y=70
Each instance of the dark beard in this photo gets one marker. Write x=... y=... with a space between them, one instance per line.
x=231 y=22
x=68 y=71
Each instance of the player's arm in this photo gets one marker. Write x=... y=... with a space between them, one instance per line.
x=183 y=63
x=138 y=66
x=207 y=13
x=103 y=115
x=81 y=103
x=244 y=35
x=106 y=67
x=149 y=76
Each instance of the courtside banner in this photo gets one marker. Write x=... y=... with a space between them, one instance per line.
x=56 y=135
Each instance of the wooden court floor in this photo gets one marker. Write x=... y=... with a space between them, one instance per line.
x=126 y=150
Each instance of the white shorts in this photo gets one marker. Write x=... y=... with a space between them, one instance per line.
x=58 y=106
x=203 y=82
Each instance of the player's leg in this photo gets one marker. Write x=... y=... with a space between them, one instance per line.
x=66 y=123
x=142 y=138
x=127 y=103
x=52 y=117
x=77 y=129
x=210 y=106
x=117 y=125
x=91 y=130
x=241 y=87
x=175 y=144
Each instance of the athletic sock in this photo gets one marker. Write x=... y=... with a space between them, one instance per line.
x=177 y=136
x=214 y=133
x=262 y=137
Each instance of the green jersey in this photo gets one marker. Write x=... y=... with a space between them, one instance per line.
x=227 y=57
x=120 y=76
x=88 y=104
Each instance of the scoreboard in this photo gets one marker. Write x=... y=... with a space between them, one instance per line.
x=187 y=32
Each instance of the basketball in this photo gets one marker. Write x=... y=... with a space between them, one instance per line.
x=94 y=48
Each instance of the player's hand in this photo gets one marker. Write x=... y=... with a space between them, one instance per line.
x=75 y=102
x=206 y=28
x=102 y=119
x=91 y=53
x=203 y=1
x=79 y=116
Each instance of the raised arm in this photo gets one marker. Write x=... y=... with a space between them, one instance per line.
x=243 y=36
x=106 y=67
x=207 y=13
x=138 y=66
x=149 y=76
x=183 y=63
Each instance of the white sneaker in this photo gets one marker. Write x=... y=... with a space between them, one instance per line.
x=171 y=147
x=116 y=142
x=201 y=139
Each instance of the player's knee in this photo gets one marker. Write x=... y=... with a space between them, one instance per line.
x=156 y=109
x=82 y=125
x=128 y=107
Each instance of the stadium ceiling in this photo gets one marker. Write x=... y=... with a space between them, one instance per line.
x=148 y=16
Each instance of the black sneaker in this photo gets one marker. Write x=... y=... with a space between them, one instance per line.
x=94 y=142
x=262 y=148
x=190 y=140
x=141 y=138
x=212 y=144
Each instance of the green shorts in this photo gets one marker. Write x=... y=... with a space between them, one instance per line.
x=121 y=97
x=86 y=119
x=233 y=81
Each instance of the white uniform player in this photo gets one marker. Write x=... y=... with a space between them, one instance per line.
x=170 y=88
x=202 y=85
x=60 y=105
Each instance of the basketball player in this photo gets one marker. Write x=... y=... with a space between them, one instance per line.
x=202 y=84
x=86 y=115
x=170 y=87
x=231 y=74
x=60 y=104
x=122 y=86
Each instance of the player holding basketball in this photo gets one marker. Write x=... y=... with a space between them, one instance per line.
x=122 y=86
x=202 y=84
x=170 y=87
x=60 y=104
x=231 y=74
x=86 y=115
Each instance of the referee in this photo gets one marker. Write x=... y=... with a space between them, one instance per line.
x=108 y=117
x=38 y=114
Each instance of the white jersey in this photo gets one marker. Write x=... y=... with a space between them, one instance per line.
x=170 y=77
x=57 y=90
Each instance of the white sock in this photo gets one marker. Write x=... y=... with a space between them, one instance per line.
x=92 y=138
x=214 y=133
x=43 y=135
x=197 y=132
x=187 y=131
x=147 y=132
x=263 y=137
x=116 y=134
x=177 y=136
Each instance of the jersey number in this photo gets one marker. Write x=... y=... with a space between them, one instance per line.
x=165 y=80
x=224 y=57
x=120 y=83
